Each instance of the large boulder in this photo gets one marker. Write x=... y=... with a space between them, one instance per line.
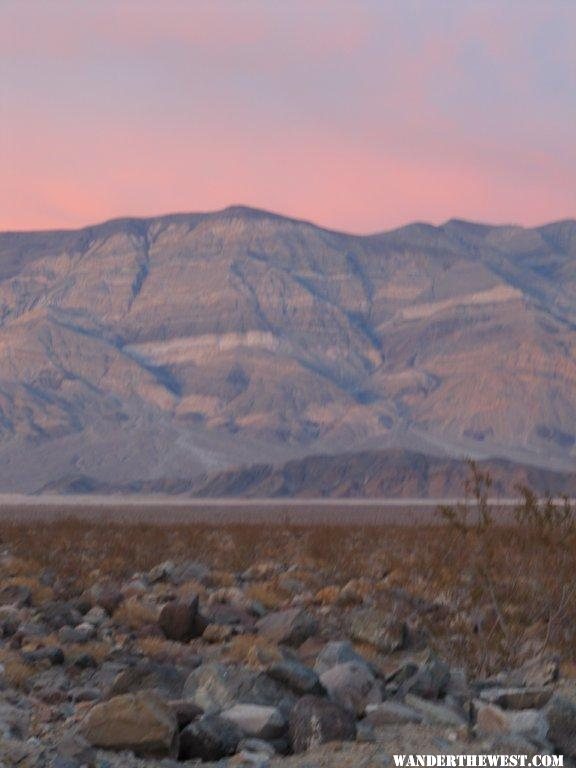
x=179 y=620
x=257 y=721
x=165 y=678
x=517 y=698
x=215 y=687
x=377 y=628
x=185 y=711
x=209 y=738
x=334 y=653
x=530 y=723
x=353 y=686
x=561 y=715
x=290 y=627
x=140 y=722
x=391 y=713
x=435 y=713
x=537 y=672
x=430 y=681
x=315 y=721
x=296 y=676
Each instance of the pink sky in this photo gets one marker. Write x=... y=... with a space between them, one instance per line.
x=358 y=114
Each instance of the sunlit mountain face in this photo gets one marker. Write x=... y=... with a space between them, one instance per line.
x=189 y=344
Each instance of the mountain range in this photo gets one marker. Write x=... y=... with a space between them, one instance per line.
x=167 y=352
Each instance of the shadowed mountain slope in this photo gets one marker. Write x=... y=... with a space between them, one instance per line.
x=361 y=474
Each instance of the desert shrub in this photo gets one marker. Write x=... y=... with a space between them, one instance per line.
x=552 y=519
x=513 y=594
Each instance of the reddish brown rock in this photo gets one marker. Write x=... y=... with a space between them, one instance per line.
x=179 y=620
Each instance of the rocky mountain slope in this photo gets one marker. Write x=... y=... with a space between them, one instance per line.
x=187 y=344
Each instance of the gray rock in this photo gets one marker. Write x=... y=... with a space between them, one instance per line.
x=434 y=713
x=73 y=746
x=15 y=595
x=372 y=626
x=257 y=721
x=84 y=694
x=14 y=721
x=365 y=732
x=60 y=614
x=185 y=712
x=258 y=746
x=53 y=654
x=85 y=661
x=32 y=630
x=96 y=616
x=67 y=762
x=51 y=685
x=517 y=698
x=82 y=633
x=209 y=738
x=315 y=721
x=391 y=713
x=561 y=715
x=165 y=678
x=106 y=595
x=430 y=681
x=458 y=688
x=335 y=652
x=290 y=627
x=161 y=572
x=215 y=687
x=190 y=570
x=531 y=723
x=352 y=685
x=538 y=672
x=10 y=619
x=296 y=676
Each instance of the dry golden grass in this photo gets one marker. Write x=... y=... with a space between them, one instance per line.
x=270 y=595
x=16 y=672
x=252 y=651
x=98 y=650
x=39 y=592
x=499 y=595
x=161 y=649
x=135 y=613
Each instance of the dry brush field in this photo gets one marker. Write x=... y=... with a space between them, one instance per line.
x=487 y=597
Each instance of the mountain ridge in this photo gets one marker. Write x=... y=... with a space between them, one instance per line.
x=168 y=346
x=250 y=211
x=364 y=474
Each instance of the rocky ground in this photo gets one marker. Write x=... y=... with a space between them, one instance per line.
x=276 y=664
